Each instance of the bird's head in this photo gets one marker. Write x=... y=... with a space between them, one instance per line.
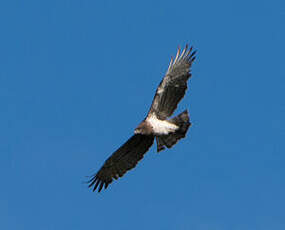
x=138 y=131
x=143 y=128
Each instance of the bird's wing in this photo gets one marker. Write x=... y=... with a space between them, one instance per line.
x=174 y=84
x=124 y=159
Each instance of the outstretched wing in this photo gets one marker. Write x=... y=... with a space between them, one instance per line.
x=174 y=84
x=124 y=159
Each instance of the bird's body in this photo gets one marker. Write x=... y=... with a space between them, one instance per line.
x=156 y=125
x=161 y=127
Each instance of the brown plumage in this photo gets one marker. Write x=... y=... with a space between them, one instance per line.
x=166 y=132
x=124 y=159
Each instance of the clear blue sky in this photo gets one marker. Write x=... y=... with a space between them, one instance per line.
x=76 y=77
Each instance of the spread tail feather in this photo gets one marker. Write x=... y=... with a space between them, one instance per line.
x=182 y=121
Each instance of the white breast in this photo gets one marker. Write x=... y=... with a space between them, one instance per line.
x=161 y=127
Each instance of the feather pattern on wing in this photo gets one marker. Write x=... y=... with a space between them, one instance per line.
x=124 y=159
x=173 y=86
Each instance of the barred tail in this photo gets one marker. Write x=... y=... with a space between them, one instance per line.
x=181 y=120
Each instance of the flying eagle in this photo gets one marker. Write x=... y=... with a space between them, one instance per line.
x=156 y=124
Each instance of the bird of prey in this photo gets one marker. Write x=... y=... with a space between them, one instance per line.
x=156 y=125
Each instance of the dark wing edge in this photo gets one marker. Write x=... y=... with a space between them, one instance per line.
x=173 y=86
x=121 y=161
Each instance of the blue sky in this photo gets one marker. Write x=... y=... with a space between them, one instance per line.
x=76 y=77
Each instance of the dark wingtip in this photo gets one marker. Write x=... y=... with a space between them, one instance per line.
x=190 y=53
x=96 y=185
x=101 y=186
x=193 y=54
x=91 y=181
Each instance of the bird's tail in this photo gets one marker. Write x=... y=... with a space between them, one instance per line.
x=182 y=121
